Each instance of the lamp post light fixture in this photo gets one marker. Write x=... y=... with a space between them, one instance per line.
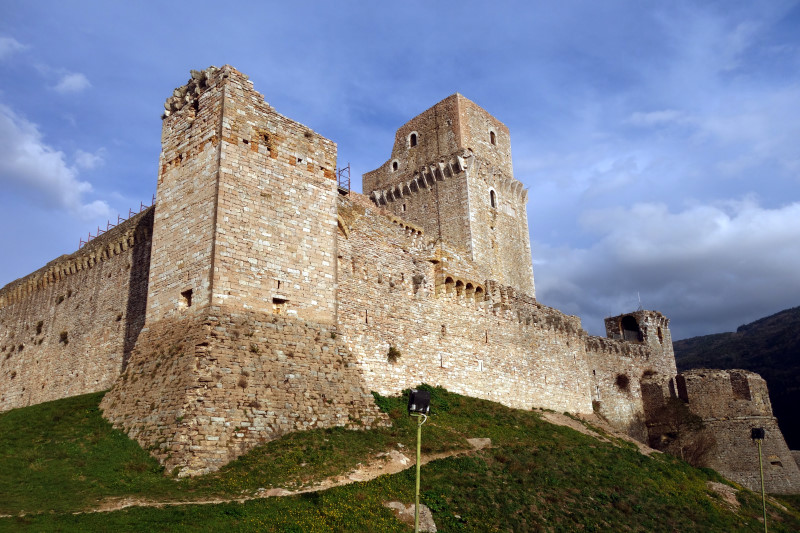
x=419 y=405
x=758 y=434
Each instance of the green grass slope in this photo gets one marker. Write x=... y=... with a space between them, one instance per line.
x=769 y=346
x=62 y=457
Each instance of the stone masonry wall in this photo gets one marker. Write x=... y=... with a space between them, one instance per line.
x=500 y=238
x=200 y=391
x=455 y=124
x=457 y=183
x=619 y=367
x=731 y=403
x=502 y=347
x=69 y=327
x=183 y=233
x=275 y=247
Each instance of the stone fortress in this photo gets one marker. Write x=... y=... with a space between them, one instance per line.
x=257 y=298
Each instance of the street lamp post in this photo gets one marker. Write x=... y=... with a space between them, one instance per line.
x=757 y=434
x=419 y=405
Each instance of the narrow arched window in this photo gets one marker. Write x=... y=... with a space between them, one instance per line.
x=492 y=199
x=394 y=165
x=492 y=137
x=413 y=139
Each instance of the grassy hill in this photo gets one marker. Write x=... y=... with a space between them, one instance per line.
x=769 y=346
x=61 y=457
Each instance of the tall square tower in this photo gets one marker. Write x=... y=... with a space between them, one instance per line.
x=246 y=206
x=450 y=172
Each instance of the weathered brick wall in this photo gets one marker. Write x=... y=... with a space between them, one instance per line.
x=504 y=347
x=69 y=327
x=202 y=390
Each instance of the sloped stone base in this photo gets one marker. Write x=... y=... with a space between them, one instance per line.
x=202 y=390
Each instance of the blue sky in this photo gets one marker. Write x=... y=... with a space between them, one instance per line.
x=660 y=141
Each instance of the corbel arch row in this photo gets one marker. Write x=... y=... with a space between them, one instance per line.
x=424 y=178
x=457 y=287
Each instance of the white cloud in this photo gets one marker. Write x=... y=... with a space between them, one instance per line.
x=707 y=263
x=10 y=46
x=40 y=171
x=89 y=161
x=72 y=82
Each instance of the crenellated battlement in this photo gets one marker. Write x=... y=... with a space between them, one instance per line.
x=616 y=347
x=111 y=243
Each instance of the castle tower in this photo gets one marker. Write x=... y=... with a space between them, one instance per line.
x=730 y=403
x=238 y=345
x=246 y=206
x=450 y=173
x=649 y=328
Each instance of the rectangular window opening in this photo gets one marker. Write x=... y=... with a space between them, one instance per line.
x=279 y=306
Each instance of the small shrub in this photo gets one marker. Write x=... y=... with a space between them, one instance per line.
x=333 y=334
x=254 y=348
x=242 y=382
x=623 y=382
x=393 y=355
x=63 y=337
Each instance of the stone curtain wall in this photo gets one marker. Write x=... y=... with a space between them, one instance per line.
x=68 y=328
x=479 y=338
x=200 y=391
x=505 y=348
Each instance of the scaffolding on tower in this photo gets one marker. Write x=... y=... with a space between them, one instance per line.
x=343 y=177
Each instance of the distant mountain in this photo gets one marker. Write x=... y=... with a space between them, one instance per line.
x=769 y=346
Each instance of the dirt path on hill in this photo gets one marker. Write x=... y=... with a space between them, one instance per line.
x=390 y=462
x=586 y=424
